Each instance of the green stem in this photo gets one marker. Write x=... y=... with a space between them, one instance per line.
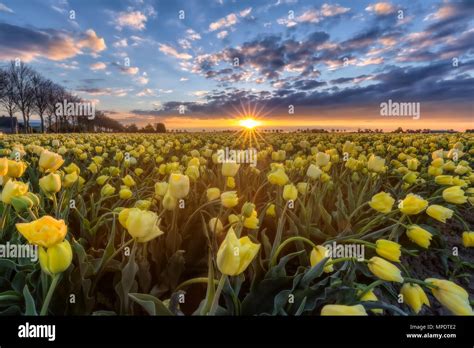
x=49 y=295
x=217 y=295
x=198 y=280
x=420 y=282
x=285 y=243
x=370 y=287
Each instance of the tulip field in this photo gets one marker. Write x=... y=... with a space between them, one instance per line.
x=159 y=224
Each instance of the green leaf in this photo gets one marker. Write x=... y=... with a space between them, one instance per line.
x=30 y=307
x=313 y=272
x=150 y=304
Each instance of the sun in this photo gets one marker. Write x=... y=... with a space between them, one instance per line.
x=249 y=123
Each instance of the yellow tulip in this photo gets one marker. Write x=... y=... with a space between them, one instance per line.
x=337 y=310
x=451 y=295
x=128 y=181
x=412 y=163
x=229 y=199
x=50 y=183
x=125 y=193
x=290 y=192
x=271 y=210
x=370 y=296
x=454 y=194
x=178 y=185
x=278 y=177
x=412 y=204
x=15 y=169
x=213 y=193
x=414 y=296
x=376 y=164
x=70 y=179
x=55 y=259
x=107 y=190
x=322 y=159
x=384 y=270
x=382 y=202
x=419 y=236
x=13 y=189
x=468 y=239
x=439 y=212
x=161 y=188
x=72 y=168
x=230 y=168
x=215 y=226
x=313 y=172
x=317 y=254
x=235 y=255
x=169 y=202
x=50 y=161
x=230 y=182
x=45 y=231
x=233 y=219
x=101 y=180
x=444 y=180
x=251 y=222
x=192 y=172
x=388 y=249
x=143 y=225
x=303 y=187
x=3 y=166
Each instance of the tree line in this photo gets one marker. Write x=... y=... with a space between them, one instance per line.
x=25 y=92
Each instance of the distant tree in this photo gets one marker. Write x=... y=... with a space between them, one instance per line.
x=7 y=95
x=21 y=76
x=160 y=128
x=41 y=92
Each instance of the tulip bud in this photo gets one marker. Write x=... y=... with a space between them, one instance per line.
x=169 y=202
x=50 y=161
x=384 y=270
x=419 y=236
x=55 y=259
x=229 y=199
x=15 y=169
x=50 y=183
x=382 y=202
x=451 y=295
x=414 y=296
x=335 y=310
x=313 y=172
x=125 y=193
x=468 y=239
x=3 y=166
x=128 y=181
x=412 y=204
x=290 y=193
x=388 y=249
x=271 y=210
x=319 y=253
x=107 y=190
x=178 y=185
x=21 y=203
x=247 y=209
x=230 y=169
x=454 y=194
x=439 y=212
x=161 y=188
x=213 y=193
x=215 y=226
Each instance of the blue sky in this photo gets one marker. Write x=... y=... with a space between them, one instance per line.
x=332 y=60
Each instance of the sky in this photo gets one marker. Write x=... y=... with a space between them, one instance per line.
x=289 y=63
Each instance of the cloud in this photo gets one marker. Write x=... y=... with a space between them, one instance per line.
x=228 y=21
x=130 y=70
x=4 y=8
x=117 y=92
x=171 y=51
x=199 y=93
x=381 y=8
x=31 y=43
x=222 y=34
x=143 y=79
x=245 y=13
x=121 y=43
x=134 y=20
x=98 y=66
x=192 y=35
x=314 y=15
x=147 y=92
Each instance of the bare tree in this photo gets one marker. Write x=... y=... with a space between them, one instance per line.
x=41 y=92
x=7 y=96
x=23 y=91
